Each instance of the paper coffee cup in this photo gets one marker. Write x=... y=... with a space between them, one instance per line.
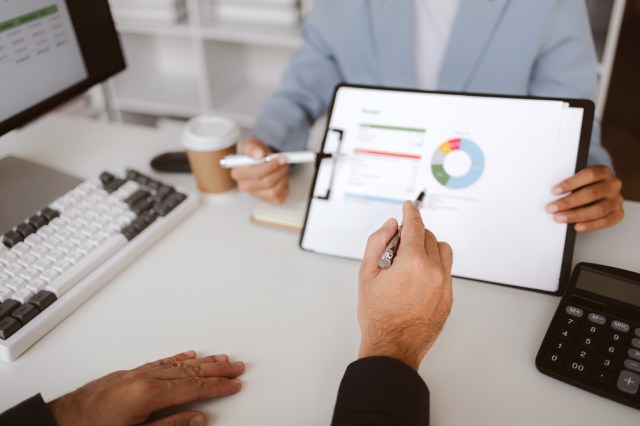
x=207 y=139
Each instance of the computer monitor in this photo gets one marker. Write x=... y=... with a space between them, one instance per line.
x=50 y=52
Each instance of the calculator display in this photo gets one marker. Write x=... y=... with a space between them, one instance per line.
x=611 y=287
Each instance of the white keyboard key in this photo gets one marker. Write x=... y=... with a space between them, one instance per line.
x=61 y=204
x=75 y=256
x=30 y=274
x=55 y=256
x=86 y=247
x=67 y=247
x=14 y=269
x=23 y=295
x=57 y=224
x=64 y=234
x=49 y=275
x=3 y=249
x=40 y=251
x=21 y=249
x=27 y=260
x=16 y=284
x=37 y=285
x=98 y=238
x=4 y=278
x=43 y=265
x=5 y=294
x=34 y=240
x=46 y=231
x=52 y=242
x=9 y=257
x=86 y=265
x=78 y=237
x=62 y=266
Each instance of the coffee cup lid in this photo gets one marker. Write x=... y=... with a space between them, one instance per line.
x=209 y=132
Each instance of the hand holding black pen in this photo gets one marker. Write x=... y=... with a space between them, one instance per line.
x=389 y=254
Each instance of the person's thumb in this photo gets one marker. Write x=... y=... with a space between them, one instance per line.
x=190 y=418
x=254 y=148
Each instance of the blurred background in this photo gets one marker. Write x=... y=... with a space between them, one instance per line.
x=187 y=57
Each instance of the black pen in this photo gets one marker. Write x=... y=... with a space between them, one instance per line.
x=389 y=254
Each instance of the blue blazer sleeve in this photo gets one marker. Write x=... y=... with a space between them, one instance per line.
x=32 y=412
x=381 y=391
x=306 y=89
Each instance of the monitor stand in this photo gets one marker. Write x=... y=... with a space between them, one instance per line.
x=26 y=188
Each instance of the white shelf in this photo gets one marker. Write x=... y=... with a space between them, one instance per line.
x=261 y=36
x=176 y=95
x=244 y=105
x=135 y=26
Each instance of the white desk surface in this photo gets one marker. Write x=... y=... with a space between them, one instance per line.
x=219 y=284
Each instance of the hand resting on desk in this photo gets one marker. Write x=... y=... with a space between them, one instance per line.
x=130 y=397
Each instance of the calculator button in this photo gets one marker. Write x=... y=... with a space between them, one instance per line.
x=554 y=358
x=603 y=376
x=559 y=346
x=632 y=365
x=613 y=350
x=634 y=354
x=593 y=330
x=598 y=319
x=635 y=342
x=587 y=341
x=628 y=382
x=606 y=362
x=637 y=332
x=620 y=326
x=578 y=367
x=582 y=354
x=574 y=312
x=565 y=333
x=615 y=337
x=568 y=321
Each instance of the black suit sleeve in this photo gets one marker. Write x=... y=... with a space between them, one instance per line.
x=381 y=391
x=32 y=412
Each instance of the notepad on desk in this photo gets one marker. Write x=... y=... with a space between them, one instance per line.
x=290 y=214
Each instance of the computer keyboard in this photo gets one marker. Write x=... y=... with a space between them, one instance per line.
x=60 y=256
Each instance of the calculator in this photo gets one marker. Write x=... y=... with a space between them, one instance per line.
x=593 y=341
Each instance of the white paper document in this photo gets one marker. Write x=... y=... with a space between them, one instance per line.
x=488 y=165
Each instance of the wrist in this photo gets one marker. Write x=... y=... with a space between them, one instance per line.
x=390 y=350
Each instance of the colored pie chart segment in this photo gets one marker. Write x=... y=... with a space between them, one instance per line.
x=466 y=146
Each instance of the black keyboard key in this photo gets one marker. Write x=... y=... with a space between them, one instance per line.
x=142 y=179
x=132 y=174
x=49 y=213
x=137 y=196
x=7 y=307
x=565 y=333
x=25 y=313
x=587 y=341
x=38 y=221
x=606 y=362
x=106 y=177
x=612 y=350
x=26 y=229
x=559 y=346
x=163 y=192
x=554 y=358
x=130 y=232
x=8 y=326
x=154 y=184
x=162 y=209
x=43 y=299
x=113 y=185
x=12 y=238
x=142 y=206
x=577 y=366
x=582 y=354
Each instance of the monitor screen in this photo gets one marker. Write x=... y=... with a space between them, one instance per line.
x=50 y=52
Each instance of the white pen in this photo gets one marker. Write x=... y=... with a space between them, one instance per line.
x=295 y=157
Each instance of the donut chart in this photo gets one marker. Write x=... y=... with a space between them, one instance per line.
x=462 y=145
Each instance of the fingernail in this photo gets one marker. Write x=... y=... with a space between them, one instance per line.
x=581 y=228
x=282 y=161
x=189 y=353
x=552 y=208
x=388 y=222
x=236 y=382
x=197 y=421
x=560 y=218
x=256 y=153
x=237 y=364
x=221 y=357
x=556 y=190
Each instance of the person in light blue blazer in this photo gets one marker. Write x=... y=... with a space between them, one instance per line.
x=517 y=47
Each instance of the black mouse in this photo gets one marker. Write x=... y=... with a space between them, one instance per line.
x=175 y=162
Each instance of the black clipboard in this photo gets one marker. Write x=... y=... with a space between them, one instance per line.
x=322 y=196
